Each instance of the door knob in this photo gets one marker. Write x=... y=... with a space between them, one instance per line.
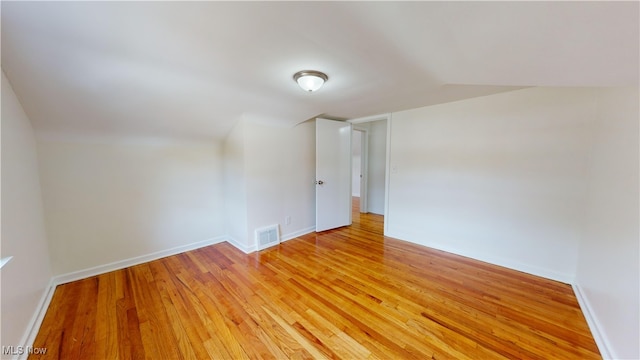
x=319 y=182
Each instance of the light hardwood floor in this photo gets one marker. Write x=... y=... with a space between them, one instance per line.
x=347 y=293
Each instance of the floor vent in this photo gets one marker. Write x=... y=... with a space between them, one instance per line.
x=267 y=236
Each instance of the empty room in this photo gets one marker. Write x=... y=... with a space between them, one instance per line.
x=339 y=180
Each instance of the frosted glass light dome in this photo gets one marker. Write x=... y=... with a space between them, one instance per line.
x=310 y=80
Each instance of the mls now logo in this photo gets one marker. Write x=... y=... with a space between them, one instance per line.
x=21 y=350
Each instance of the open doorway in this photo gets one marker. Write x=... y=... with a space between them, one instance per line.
x=369 y=167
x=358 y=170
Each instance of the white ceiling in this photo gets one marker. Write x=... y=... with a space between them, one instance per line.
x=191 y=69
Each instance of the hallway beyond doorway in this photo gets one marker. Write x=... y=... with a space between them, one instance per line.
x=370 y=222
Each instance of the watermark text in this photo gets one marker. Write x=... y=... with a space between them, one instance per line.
x=22 y=350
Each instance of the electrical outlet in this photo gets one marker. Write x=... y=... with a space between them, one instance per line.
x=287 y=220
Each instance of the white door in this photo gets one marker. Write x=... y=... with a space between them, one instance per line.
x=333 y=174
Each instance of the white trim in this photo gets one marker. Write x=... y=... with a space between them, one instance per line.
x=349 y=202
x=298 y=233
x=364 y=168
x=495 y=260
x=33 y=328
x=245 y=249
x=283 y=237
x=387 y=177
x=121 y=264
x=606 y=350
x=36 y=320
x=387 y=171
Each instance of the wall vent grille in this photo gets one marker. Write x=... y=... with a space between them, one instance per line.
x=267 y=236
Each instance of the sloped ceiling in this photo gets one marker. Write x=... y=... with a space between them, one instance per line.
x=191 y=69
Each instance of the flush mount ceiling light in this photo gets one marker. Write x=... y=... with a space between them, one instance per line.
x=310 y=80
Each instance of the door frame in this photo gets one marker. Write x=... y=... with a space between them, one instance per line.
x=387 y=169
x=364 y=166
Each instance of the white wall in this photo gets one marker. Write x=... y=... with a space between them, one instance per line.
x=377 y=165
x=280 y=178
x=26 y=278
x=608 y=270
x=235 y=188
x=269 y=176
x=108 y=200
x=499 y=178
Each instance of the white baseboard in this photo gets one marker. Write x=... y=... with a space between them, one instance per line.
x=525 y=268
x=36 y=320
x=596 y=330
x=495 y=260
x=249 y=249
x=245 y=249
x=295 y=234
x=121 y=264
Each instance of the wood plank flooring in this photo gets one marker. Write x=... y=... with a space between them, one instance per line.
x=348 y=293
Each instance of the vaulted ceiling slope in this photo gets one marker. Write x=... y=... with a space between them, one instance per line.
x=193 y=68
